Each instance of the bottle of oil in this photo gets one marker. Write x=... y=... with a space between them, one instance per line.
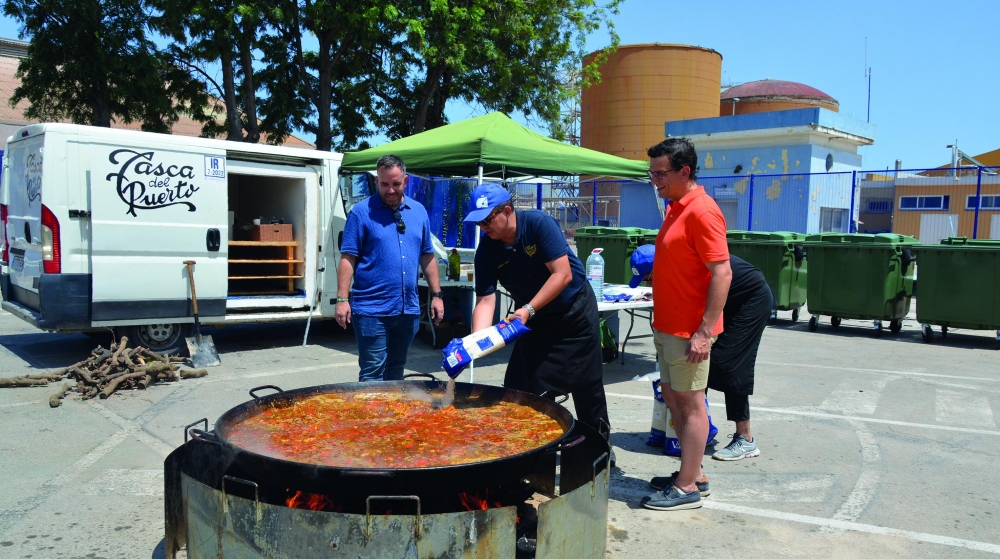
x=454 y=265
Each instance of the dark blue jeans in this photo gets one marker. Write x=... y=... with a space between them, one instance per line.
x=382 y=344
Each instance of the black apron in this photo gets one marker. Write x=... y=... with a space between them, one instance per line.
x=563 y=353
x=734 y=353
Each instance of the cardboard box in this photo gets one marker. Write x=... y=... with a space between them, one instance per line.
x=268 y=232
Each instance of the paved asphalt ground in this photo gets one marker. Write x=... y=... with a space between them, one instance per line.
x=869 y=447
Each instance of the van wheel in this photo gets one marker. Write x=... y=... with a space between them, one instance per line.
x=160 y=337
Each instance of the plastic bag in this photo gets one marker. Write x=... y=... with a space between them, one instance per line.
x=460 y=352
x=671 y=445
x=658 y=429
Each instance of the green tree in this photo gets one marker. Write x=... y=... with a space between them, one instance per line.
x=325 y=91
x=224 y=32
x=505 y=55
x=91 y=61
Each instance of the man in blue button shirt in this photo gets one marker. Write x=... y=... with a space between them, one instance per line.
x=386 y=238
x=526 y=251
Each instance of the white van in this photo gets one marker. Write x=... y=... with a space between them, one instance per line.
x=97 y=224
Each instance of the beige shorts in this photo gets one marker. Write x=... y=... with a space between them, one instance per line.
x=671 y=354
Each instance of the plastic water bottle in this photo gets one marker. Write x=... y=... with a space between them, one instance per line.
x=595 y=272
x=454 y=265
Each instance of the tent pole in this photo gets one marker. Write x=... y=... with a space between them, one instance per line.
x=472 y=366
x=479 y=182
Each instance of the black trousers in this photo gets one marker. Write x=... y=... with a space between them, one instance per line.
x=737 y=407
x=562 y=353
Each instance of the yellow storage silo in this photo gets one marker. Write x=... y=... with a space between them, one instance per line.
x=764 y=96
x=643 y=86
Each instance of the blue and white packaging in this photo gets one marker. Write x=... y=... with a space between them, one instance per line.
x=459 y=353
x=658 y=430
x=662 y=431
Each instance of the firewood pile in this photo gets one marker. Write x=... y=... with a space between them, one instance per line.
x=108 y=370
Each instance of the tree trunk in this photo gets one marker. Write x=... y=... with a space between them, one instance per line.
x=102 y=113
x=427 y=93
x=249 y=86
x=234 y=125
x=435 y=111
x=324 y=133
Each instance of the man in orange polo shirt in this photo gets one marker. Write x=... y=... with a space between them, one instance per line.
x=691 y=277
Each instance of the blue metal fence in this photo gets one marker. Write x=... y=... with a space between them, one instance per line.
x=929 y=204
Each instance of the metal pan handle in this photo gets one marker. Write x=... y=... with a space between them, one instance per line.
x=186 y=427
x=204 y=436
x=554 y=396
x=425 y=375
x=265 y=387
x=367 y=473
x=563 y=446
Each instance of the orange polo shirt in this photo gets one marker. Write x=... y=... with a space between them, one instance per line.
x=693 y=234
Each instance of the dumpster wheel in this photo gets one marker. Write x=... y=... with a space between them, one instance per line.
x=895 y=326
x=795 y=315
x=878 y=328
x=835 y=321
x=773 y=319
x=813 y=323
x=927 y=333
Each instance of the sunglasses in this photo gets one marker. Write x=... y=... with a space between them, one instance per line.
x=400 y=224
x=489 y=219
x=660 y=175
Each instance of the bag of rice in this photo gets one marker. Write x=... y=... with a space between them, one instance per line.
x=459 y=353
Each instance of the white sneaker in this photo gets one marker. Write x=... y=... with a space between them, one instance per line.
x=738 y=449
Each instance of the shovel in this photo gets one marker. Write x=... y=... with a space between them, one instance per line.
x=201 y=349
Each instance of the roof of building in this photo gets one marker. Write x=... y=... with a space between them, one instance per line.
x=775 y=88
x=12 y=51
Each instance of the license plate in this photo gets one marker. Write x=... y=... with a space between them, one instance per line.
x=18 y=263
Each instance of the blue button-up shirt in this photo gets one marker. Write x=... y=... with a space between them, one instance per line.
x=385 y=277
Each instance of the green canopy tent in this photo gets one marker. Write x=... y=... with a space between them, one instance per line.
x=495 y=145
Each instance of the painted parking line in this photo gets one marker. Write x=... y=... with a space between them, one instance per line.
x=963 y=408
x=857 y=396
x=877 y=371
x=834 y=524
x=823 y=415
x=18 y=404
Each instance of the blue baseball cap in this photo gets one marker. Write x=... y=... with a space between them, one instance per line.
x=642 y=264
x=484 y=199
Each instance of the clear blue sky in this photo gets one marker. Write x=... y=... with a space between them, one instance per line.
x=935 y=65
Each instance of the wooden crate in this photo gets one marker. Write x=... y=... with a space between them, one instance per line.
x=268 y=232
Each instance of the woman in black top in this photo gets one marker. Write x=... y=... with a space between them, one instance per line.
x=734 y=354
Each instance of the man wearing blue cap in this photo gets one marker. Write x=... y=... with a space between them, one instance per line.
x=527 y=253
x=642 y=264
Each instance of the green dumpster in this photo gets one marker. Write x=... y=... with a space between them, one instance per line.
x=648 y=236
x=782 y=259
x=867 y=277
x=958 y=285
x=618 y=243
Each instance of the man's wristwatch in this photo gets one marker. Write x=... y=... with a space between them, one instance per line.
x=530 y=309
x=438 y=294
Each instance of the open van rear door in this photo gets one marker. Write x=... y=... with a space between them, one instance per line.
x=152 y=208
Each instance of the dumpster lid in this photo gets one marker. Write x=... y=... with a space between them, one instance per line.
x=862 y=238
x=603 y=231
x=759 y=236
x=965 y=241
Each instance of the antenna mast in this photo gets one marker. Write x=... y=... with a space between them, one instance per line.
x=868 y=76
